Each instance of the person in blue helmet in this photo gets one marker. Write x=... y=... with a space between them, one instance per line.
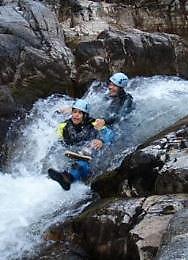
x=78 y=130
x=117 y=97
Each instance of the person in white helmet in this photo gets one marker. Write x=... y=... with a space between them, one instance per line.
x=77 y=130
x=117 y=97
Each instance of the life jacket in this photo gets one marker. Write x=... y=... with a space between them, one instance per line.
x=74 y=134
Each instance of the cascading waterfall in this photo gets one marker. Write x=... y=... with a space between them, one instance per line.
x=29 y=201
x=158 y=102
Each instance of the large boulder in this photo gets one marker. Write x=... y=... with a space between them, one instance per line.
x=134 y=52
x=166 y=168
x=102 y=230
x=161 y=15
x=36 y=59
x=116 y=228
x=157 y=167
x=85 y=19
x=145 y=237
x=175 y=244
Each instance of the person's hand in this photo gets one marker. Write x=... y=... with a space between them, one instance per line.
x=99 y=123
x=96 y=144
x=65 y=110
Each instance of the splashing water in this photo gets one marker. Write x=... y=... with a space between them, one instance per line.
x=27 y=206
x=158 y=102
x=29 y=201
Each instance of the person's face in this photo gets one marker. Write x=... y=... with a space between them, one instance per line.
x=113 y=89
x=77 y=116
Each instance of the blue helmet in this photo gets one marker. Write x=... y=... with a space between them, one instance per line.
x=119 y=79
x=82 y=105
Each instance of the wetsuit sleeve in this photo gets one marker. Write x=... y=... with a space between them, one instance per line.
x=60 y=129
x=111 y=118
x=127 y=105
x=106 y=135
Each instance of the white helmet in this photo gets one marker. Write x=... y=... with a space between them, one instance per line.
x=82 y=105
x=119 y=79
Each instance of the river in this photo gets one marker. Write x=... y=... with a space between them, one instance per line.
x=29 y=201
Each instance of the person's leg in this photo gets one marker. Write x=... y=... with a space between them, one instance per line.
x=63 y=178
x=80 y=170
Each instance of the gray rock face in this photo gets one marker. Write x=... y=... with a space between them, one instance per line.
x=146 y=236
x=36 y=61
x=157 y=167
x=162 y=163
x=104 y=229
x=119 y=228
x=175 y=243
x=84 y=20
x=88 y=18
x=33 y=50
x=161 y=15
x=133 y=51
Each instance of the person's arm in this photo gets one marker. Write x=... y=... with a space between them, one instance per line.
x=65 y=110
x=105 y=134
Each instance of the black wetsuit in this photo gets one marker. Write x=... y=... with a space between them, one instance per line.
x=116 y=104
x=74 y=134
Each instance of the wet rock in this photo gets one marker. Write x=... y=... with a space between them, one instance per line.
x=8 y=106
x=166 y=16
x=36 y=59
x=145 y=237
x=100 y=231
x=8 y=111
x=59 y=251
x=108 y=184
x=89 y=18
x=157 y=167
x=142 y=169
x=59 y=232
x=132 y=51
x=104 y=229
x=161 y=166
x=173 y=178
x=123 y=228
x=62 y=243
x=175 y=243
x=135 y=177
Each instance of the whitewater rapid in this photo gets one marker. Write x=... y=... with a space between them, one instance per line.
x=29 y=201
